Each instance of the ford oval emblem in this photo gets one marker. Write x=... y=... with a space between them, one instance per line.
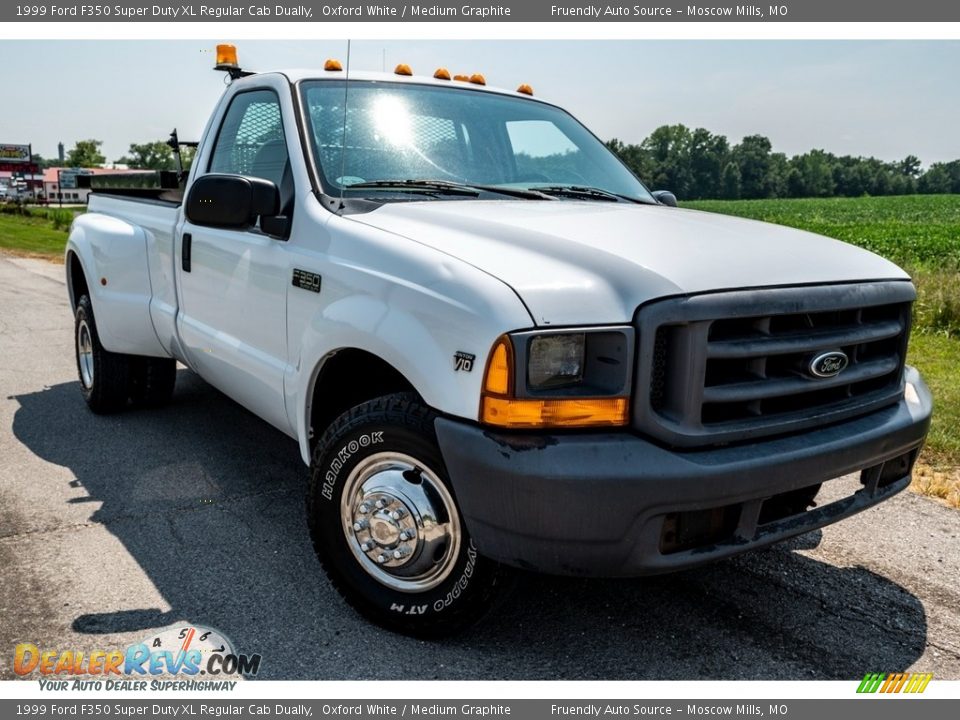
x=828 y=364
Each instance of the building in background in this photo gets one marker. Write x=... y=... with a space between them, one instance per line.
x=71 y=186
x=19 y=176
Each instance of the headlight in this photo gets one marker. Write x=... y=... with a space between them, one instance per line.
x=555 y=361
x=559 y=378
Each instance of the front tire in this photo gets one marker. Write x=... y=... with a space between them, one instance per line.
x=385 y=524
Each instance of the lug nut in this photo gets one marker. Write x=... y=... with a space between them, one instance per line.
x=361 y=525
x=398 y=554
x=397 y=514
x=381 y=558
x=364 y=508
x=408 y=535
x=381 y=503
x=366 y=546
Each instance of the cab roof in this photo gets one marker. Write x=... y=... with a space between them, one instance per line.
x=297 y=74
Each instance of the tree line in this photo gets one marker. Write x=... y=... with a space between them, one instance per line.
x=694 y=164
x=697 y=164
x=155 y=155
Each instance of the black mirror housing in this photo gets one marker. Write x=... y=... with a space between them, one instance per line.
x=665 y=197
x=231 y=201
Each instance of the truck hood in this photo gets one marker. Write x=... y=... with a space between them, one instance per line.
x=574 y=262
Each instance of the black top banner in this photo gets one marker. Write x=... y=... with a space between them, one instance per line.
x=893 y=11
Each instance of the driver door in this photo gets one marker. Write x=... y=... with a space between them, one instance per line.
x=233 y=282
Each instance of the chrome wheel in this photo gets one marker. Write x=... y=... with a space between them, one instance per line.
x=85 y=354
x=400 y=522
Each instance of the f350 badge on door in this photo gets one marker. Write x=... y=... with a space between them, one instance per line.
x=306 y=280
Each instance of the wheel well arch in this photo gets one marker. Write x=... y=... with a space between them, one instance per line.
x=77 y=279
x=346 y=378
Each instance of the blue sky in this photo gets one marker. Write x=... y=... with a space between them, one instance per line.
x=882 y=98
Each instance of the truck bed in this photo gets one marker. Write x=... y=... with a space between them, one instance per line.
x=133 y=230
x=157 y=195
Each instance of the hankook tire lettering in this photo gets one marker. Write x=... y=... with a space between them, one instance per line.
x=343 y=455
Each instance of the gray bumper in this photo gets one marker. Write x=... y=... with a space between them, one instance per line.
x=595 y=503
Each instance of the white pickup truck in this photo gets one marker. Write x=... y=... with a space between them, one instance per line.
x=494 y=346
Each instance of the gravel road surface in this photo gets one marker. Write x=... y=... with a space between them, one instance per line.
x=111 y=527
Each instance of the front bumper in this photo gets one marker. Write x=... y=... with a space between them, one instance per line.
x=597 y=503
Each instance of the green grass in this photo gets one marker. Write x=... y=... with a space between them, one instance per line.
x=938 y=360
x=31 y=236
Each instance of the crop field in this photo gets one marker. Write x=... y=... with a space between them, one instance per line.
x=922 y=234
x=916 y=231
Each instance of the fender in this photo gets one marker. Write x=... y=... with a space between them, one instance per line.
x=423 y=357
x=113 y=255
x=413 y=306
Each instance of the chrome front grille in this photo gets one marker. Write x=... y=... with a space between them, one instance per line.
x=731 y=366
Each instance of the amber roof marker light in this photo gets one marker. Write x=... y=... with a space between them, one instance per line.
x=402 y=69
x=332 y=65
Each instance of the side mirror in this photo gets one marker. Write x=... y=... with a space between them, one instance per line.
x=231 y=201
x=665 y=197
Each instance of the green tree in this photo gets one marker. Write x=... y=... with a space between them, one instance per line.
x=85 y=154
x=669 y=149
x=936 y=180
x=730 y=182
x=708 y=155
x=752 y=156
x=910 y=166
x=816 y=174
x=155 y=155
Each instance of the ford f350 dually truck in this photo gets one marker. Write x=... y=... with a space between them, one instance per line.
x=494 y=346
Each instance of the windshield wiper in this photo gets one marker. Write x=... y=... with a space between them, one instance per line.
x=581 y=191
x=414 y=186
x=448 y=188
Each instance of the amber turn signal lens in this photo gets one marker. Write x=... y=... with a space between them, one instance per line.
x=499 y=375
x=498 y=406
x=227 y=56
x=558 y=413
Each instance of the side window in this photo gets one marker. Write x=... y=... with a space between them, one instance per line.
x=251 y=141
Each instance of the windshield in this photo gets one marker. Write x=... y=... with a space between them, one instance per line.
x=407 y=132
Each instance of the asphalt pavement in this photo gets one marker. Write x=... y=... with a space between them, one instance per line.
x=112 y=527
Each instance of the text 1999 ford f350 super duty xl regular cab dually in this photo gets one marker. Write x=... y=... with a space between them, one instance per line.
x=494 y=346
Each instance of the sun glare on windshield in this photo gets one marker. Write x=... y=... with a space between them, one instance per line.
x=391 y=121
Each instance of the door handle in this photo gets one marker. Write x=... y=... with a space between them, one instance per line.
x=185 y=251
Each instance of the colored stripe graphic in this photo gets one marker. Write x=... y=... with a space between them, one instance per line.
x=894 y=682
x=870 y=683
